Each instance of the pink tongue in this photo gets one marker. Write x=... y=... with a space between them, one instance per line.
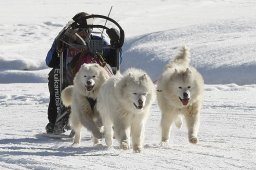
x=184 y=101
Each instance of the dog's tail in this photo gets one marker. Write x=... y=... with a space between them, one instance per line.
x=183 y=57
x=66 y=95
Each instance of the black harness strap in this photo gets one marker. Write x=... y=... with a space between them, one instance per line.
x=92 y=102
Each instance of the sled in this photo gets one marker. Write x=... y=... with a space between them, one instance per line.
x=104 y=27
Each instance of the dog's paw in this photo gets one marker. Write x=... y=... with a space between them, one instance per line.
x=137 y=149
x=164 y=143
x=96 y=141
x=193 y=140
x=124 y=145
x=76 y=141
x=75 y=145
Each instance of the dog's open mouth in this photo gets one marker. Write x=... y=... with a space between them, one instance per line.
x=89 y=88
x=184 y=101
x=138 y=107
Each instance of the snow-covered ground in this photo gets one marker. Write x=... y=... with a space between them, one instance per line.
x=227 y=135
x=222 y=38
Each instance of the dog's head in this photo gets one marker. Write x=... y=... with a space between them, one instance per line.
x=90 y=77
x=136 y=89
x=182 y=85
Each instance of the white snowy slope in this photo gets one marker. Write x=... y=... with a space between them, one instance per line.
x=225 y=47
x=220 y=33
x=222 y=37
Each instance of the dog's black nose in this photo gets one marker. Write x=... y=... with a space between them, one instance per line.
x=88 y=82
x=140 y=102
x=185 y=95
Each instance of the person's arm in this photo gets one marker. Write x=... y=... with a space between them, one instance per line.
x=52 y=59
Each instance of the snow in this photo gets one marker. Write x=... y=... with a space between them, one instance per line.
x=221 y=36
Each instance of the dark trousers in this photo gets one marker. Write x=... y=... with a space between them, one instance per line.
x=54 y=107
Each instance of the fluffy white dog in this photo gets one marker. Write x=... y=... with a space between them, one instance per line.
x=82 y=97
x=180 y=92
x=124 y=103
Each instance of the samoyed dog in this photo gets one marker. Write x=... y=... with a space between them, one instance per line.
x=124 y=102
x=82 y=98
x=180 y=93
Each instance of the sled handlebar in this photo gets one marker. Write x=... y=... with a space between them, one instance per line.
x=112 y=34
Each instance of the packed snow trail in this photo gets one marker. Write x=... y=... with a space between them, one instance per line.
x=227 y=136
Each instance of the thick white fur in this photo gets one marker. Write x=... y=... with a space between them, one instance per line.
x=178 y=78
x=124 y=102
x=77 y=95
x=66 y=95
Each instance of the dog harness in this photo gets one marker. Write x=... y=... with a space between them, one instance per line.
x=92 y=102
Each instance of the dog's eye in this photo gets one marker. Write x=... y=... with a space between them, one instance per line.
x=180 y=87
x=85 y=76
x=135 y=93
x=93 y=76
x=189 y=87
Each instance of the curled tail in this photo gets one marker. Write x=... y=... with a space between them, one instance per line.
x=66 y=95
x=183 y=57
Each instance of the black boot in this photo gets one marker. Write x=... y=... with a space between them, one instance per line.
x=49 y=128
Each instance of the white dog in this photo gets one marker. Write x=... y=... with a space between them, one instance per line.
x=82 y=97
x=180 y=92
x=124 y=103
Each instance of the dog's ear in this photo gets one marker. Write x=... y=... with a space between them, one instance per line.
x=83 y=65
x=96 y=65
x=143 y=77
x=188 y=71
x=130 y=76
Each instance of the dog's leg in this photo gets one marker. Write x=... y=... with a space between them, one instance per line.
x=193 y=122
x=98 y=122
x=166 y=122
x=125 y=139
x=89 y=123
x=108 y=131
x=122 y=133
x=96 y=141
x=77 y=128
x=137 y=133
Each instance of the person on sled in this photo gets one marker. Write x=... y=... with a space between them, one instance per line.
x=53 y=60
